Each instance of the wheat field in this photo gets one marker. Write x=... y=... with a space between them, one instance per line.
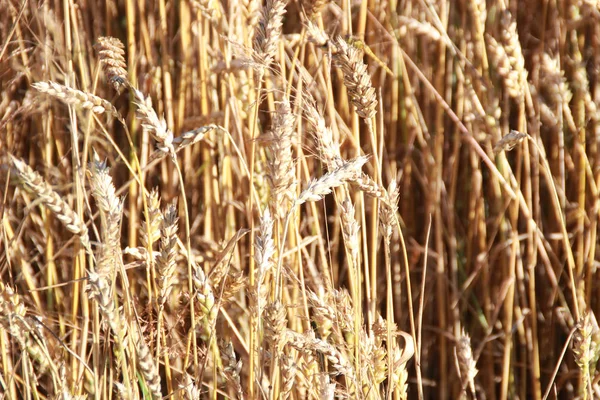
x=290 y=199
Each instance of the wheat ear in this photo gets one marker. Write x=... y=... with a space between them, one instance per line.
x=157 y=127
x=321 y=187
x=338 y=361
x=356 y=78
x=111 y=209
x=466 y=362
x=281 y=164
x=268 y=31
x=111 y=52
x=65 y=214
x=166 y=261
x=78 y=98
x=148 y=369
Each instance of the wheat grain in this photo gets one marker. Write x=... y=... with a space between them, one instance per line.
x=387 y=217
x=371 y=188
x=275 y=322
x=195 y=135
x=329 y=150
x=288 y=372
x=316 y=35
x=264 y=250
x=149 y=231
